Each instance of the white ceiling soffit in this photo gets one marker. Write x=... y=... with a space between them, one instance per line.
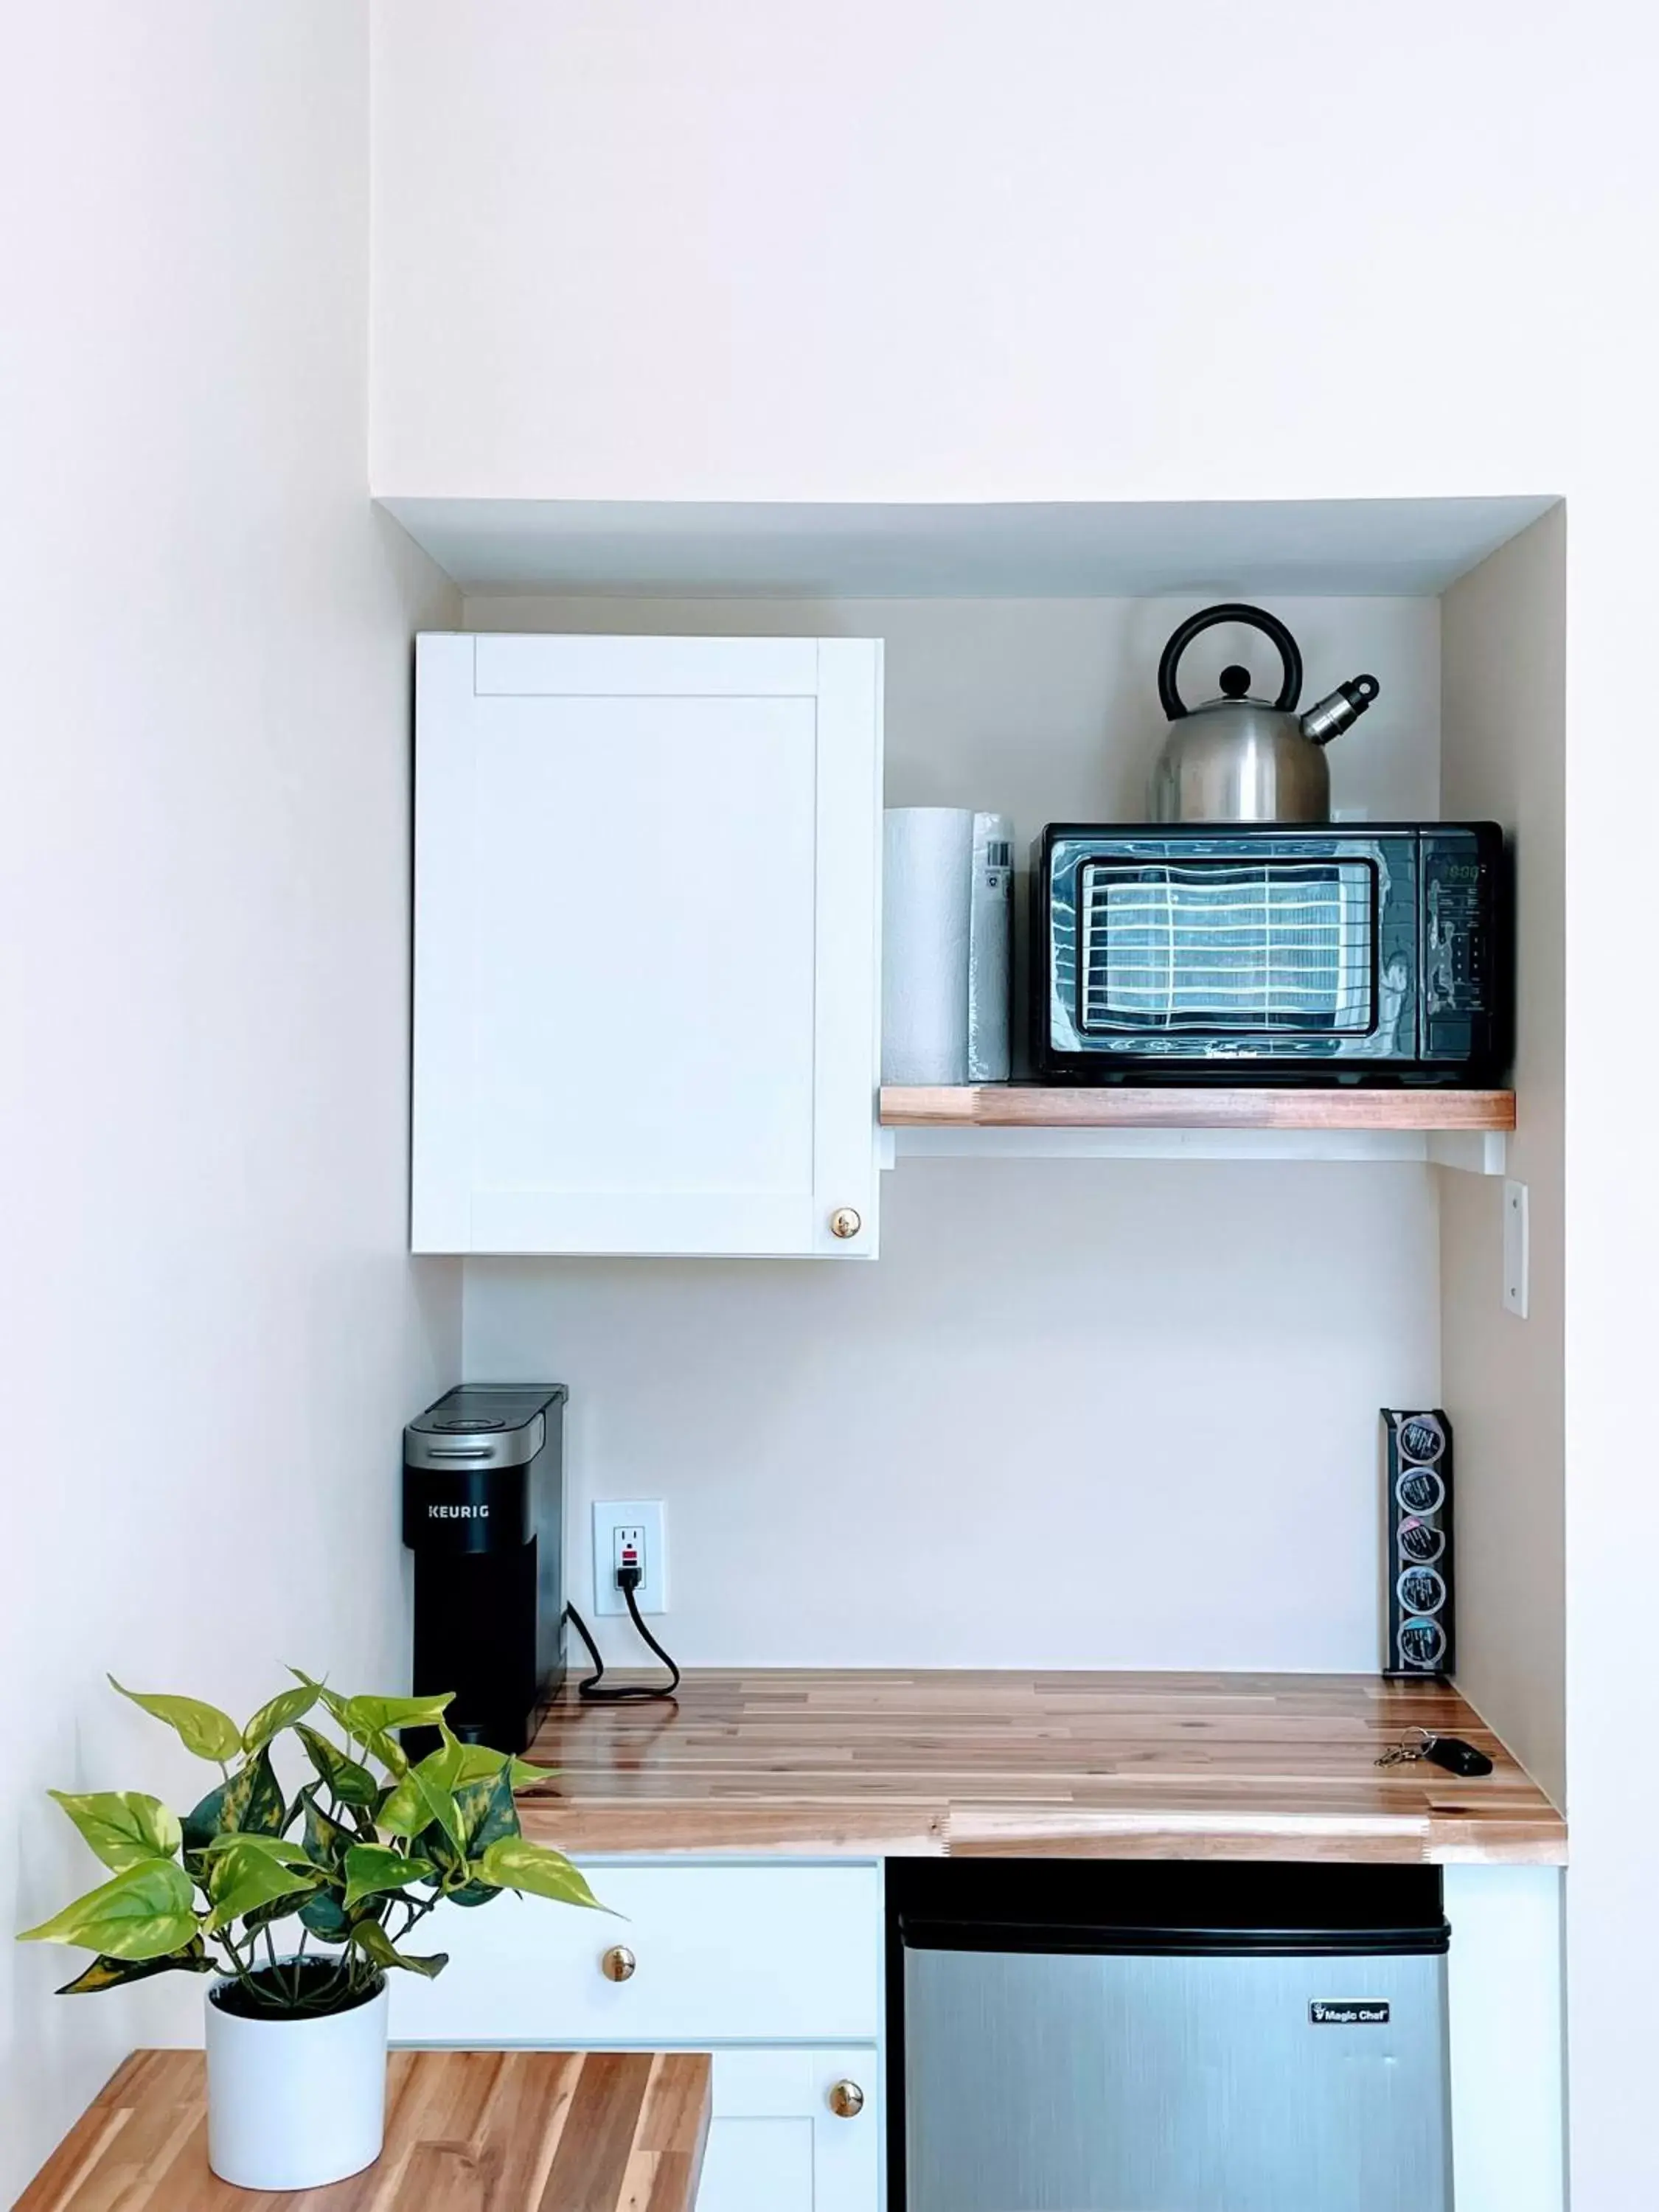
x=1388 y=547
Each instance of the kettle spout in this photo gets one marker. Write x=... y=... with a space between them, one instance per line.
x=1340 y=711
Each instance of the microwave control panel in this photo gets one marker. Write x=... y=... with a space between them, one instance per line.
x=1458 y=905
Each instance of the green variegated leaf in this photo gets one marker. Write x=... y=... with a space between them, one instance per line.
x=351 y=1783
x=371 y=1868
x=424 y=1797
x=323 y=1913
x=373 y=1717
x=390 y=1752
x=265 y=1916
x=245 y=1873
x=480 y=1764
x=201 y=1728
x=472 y=1892
x=372 y=1940
x=278 y=1713
x=276 y=1847
x=257 y=1884
x=417 y=1804
x=106 y=1973
x=327 y=1842
x=265 y=1813
x=332 y=1703
x=122 y=1825
x=204 y=1821
x=144 y=1913
x=433 y=1844
x=250 y=1803
x=487 y=1812
x=514 y=1862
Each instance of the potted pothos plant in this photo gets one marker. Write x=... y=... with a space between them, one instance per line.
x=367 y=1847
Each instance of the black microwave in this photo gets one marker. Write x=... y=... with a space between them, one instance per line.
x=1348 y=952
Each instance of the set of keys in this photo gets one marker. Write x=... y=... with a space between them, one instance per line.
x=1447 y=1750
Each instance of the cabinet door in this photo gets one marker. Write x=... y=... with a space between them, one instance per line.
x=774 y=2144
x=758 y=2165
x=646 y=947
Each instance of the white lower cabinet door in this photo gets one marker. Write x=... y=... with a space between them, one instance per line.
x=757 y=2166
x=777 y=2143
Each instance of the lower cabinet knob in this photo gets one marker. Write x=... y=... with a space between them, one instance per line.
x=847 y=2100
x=844 y=1222
x=617 y=1964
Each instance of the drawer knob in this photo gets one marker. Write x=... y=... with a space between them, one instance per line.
x=617 y=1964
x=844 y=1222
x=847 y=2100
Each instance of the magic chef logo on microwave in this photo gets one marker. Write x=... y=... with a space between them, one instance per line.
x=1348 y=2012
x=457 y=1513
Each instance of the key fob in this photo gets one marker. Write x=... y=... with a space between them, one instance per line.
x=1457 y=1757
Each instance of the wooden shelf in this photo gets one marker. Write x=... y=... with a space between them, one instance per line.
x=1035 y=1106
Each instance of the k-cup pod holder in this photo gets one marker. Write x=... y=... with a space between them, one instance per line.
x=1418 y=1596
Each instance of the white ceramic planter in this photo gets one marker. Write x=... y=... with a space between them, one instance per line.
x=296 y=2104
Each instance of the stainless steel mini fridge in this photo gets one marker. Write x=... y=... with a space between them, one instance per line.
x=1115 y=2037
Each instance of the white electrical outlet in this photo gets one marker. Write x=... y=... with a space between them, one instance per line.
x=1516 y=1253
x=621 y=1525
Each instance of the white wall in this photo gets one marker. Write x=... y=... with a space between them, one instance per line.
x=762 y=249
x=945 y=1459
x=1504 y=672
x=1080 y=1414
x=1075 y=250
x=210 y=1331
x=1045 y=707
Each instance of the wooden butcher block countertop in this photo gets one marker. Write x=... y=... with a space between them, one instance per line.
x=1065 y=1764
x=465 y=2131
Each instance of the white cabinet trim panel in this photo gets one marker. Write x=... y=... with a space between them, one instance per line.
x=1508 y=2056
x=646 y=946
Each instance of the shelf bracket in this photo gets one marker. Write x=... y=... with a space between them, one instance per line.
x=1476 y=1152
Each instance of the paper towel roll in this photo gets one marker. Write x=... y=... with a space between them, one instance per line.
x=990 y=948
x=926 y=899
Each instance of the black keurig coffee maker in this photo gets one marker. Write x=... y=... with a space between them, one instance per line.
x=484 y=1503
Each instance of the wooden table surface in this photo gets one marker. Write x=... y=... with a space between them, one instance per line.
x=1032 y=1765
x=466 y=2131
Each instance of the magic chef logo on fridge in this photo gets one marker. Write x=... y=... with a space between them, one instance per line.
x=457 y=1513
x=1348 y=2012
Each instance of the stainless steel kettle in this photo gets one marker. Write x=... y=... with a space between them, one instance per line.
x=1239 y=759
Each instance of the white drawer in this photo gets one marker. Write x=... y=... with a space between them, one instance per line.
x=725 y=1953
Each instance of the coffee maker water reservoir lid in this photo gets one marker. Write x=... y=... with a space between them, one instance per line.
x=483 y=1424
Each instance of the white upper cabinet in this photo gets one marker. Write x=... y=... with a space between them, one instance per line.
x=646 y=945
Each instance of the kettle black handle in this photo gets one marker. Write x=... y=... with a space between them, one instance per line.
x=1233 y=611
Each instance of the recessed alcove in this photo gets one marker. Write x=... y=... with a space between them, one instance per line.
x=1237 y=1298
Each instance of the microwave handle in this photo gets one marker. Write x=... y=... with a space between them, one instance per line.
x=1232 y=610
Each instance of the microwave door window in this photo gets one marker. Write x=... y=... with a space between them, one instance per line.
x=1252 y=948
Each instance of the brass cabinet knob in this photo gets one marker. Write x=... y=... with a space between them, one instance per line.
x=617 y=1964
x=844 y=1222
x=846 y=2101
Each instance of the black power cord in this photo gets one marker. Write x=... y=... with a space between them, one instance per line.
x=594 y=1688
